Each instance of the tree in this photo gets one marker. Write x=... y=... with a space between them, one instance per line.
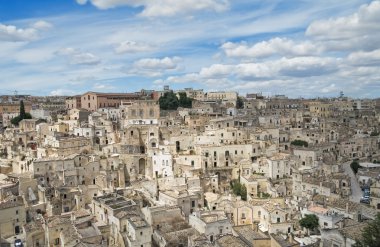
x=355 y=166
x=239 y=103
x=23 y=115
x=310 y=221
x=22 y=110
x=185 y=101
x=239 y=189
x=168 y=101
x=370 y=234
x=375 y=133
x=300 y=143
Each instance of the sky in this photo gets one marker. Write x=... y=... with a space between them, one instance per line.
x=300 y=48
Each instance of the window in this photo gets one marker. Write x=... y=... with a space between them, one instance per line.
x=278 y=220
x=141 y=233
x=16 y=211
x=192 y=203
x=243 y=215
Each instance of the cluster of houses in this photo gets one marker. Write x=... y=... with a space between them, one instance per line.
x=114 y=170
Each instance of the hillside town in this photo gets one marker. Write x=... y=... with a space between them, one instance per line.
x=187 y=168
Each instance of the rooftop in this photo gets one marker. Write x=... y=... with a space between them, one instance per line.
x=229 y=241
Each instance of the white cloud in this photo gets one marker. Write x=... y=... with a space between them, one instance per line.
x=154 y=67
x=166 y=63
x=360 y=30
x=306 y=66
x=216 y=71
x=30 y=56
x=276 y=46
x=81 y=2
x=78 y=57
x=362 y=58
x=163 y=7
x=14 y=34
x=62 y=92
x=132 y=47
x=249 y=71
x=85 y=58
x=42 y=25
x=100 y=86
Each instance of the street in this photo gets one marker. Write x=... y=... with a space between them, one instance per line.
x=356 y=191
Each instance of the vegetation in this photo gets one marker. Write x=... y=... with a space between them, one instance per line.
x=265 y=195
x=169 y=101
x=310 y=221
x=370 y=234
x=355 y=166
x=185 y=101
x=239 y=189
x=23 y=115
x=239 y=103
x=375 y=133
x=300 y=143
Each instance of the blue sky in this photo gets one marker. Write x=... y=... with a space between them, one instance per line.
x=299 y=48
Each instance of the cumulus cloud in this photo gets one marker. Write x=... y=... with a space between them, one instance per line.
x=42 y=25
x=132 y=47
x=85 y=58
x=14 y=34
x=81 y=2
x=362 y=58
x=166 y=63
x=276 y=46
x=77 y=57
x=306 y=66
x=154 y=67
x=100 y=86
x=62 y=92
x=162 y=7
x=283 y=68
x=216 y=71
x=30 y=56
x=360 y=30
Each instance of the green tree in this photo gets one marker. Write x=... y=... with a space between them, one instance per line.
x=23 y=115
x=22 y=110
x=310 y=221
x=355 y=166
x=168 y=101
x=185 y=101
x=239 y=189
x=239 y=103
x=370 y=234
x=300 y=143
x=375 y=133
